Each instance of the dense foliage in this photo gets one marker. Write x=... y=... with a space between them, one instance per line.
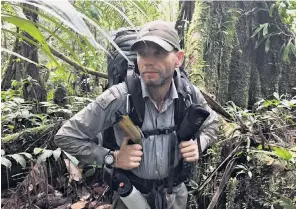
x=67 y=44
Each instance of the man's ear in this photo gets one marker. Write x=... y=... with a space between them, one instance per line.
x=180 y=57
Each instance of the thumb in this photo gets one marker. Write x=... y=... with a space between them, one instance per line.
x=125 y=141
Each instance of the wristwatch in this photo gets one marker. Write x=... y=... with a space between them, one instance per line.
x=109 y=159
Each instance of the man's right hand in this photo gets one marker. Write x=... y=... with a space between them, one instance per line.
x=129 y=156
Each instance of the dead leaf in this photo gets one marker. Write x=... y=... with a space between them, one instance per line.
x=84 y=194
x=270 y=162
x=78 y=205
x=73 y=170
x=99 y=190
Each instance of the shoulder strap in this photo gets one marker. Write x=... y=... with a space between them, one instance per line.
x=134 y=88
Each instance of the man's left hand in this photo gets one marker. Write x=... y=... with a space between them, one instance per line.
x=189 y=151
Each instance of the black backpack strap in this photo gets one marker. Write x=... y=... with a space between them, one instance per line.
x=137 y=102
x=185 y=91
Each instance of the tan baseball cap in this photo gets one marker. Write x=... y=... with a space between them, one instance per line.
x=160 y=32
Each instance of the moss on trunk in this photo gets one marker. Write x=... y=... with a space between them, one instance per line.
x=224 y=60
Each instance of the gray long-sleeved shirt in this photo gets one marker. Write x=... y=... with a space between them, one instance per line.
x=74 y=135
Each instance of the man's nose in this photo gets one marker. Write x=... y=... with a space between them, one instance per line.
x=149 y=61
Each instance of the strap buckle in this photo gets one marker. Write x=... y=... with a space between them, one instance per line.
x=164 y=131
x=130 y=65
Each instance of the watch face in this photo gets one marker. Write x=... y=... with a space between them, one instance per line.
x=109 y=159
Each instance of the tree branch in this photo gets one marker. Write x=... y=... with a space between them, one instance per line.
x=75 y=64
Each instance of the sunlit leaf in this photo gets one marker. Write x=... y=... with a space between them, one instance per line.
x=265 y=29
x=28 y=155
x=19 y=159
x=250 y=174
x=37 y=150
x=2 y=152
x=271 y=10
x=28 y=27
x=276 y=95
x=282 y=152
x=45 y=154
x=5 y=162
x=57 y=153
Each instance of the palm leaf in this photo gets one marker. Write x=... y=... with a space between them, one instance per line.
x=70 y=33
x=31 y=29
x=18 y=35
x=67 y=14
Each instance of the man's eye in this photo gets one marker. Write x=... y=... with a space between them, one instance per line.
x=141 y=53
x=159 y=52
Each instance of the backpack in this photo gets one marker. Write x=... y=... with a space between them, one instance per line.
x=120 y=70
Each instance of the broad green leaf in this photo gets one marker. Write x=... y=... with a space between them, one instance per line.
x=19 y=35
x=282 y=152
x=37 y=150
x=45 y=154
x=28 y=155
x=57 y=153
x=2 y=152
x=19 y=159
x=28 y=27
x=64 y=44
x=5 y=162
x=89 y=172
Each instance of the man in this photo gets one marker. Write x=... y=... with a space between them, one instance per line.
x=158 y=57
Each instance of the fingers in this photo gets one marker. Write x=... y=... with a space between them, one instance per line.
x=189 y=151
x=191 y=148
x=136 y=159
x=134 y=165
x=184 y=144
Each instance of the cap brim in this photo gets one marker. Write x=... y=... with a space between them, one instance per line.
x=164 y=44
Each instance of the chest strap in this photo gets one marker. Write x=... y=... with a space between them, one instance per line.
x=163 y=131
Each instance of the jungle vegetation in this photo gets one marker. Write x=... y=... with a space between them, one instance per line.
x=242 y=55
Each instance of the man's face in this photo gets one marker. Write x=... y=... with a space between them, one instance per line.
x=156 y=65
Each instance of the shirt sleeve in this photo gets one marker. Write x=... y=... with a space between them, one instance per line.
x=209 y=129
x=75 y=135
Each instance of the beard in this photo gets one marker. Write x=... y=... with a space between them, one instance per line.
x=164 y=77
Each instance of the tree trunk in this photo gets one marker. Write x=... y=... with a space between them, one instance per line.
x=234 y=70
x=33 y=90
